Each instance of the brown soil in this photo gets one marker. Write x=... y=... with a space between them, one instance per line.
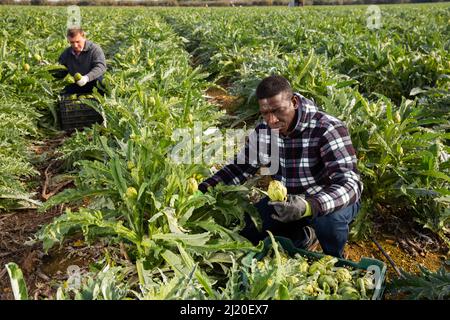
x=220 y=98
x=44 y=271
x=18 y=228
x=41 y=270
x=402 y=259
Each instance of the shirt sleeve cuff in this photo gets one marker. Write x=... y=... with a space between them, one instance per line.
x=203 y=187
x=315 y=207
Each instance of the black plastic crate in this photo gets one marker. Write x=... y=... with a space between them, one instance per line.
x=76 y=114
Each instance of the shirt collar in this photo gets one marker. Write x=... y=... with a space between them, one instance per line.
x=303 y=113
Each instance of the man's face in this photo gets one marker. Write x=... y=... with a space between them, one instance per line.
x=279 y=111
x=77 y=43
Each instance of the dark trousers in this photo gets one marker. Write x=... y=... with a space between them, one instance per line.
x=331 y=229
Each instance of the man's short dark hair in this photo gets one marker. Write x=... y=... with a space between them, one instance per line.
x=74 y=31
x=273 y=85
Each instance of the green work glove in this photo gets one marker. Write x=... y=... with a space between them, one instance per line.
x=295 y=208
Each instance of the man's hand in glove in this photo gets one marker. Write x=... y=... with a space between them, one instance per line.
x=83 y=81
x=295 y=208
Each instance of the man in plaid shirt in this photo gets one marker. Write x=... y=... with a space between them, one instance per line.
x=314 y=159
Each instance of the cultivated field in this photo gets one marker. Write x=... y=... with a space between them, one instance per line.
x=112 y=203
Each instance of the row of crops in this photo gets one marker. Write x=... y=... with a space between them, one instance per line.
x=137 y=195
x=389 y=86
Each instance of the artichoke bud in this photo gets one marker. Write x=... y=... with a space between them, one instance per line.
x=293 y=279
x=303 y=267
x=343 y=275
x=349 y=293
x=326 y=288
x=316 y=267
x=277 y=191
x=131 y=193
x=397 y=117
x=345 y=284
x=309 y=290
x=361 y=286
x=328 y=282
x=369 y=281
x=192 y=185
x=130 y=165
x=328 y=261
x=137 y=138
x=260 y=265
x=399 y=150
x=135 y=174
x=69 y=79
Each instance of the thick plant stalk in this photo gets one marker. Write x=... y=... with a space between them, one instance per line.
x=397 y=270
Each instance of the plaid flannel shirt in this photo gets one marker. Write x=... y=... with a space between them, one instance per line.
x=316 y=159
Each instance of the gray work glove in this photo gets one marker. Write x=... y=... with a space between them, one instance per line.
x=295 y=208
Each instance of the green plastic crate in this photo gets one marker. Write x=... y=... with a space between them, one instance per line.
x=364 y=264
